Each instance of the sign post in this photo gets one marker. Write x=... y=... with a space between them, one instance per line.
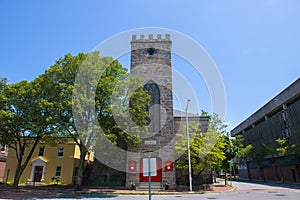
x=149 y=177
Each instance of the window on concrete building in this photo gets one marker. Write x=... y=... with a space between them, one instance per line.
x=60 y=152
x=285 y=124
x=58 y=171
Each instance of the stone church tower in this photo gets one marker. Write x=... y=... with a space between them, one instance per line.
x=151 y=60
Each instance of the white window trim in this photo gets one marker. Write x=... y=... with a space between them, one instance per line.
x=56 y=171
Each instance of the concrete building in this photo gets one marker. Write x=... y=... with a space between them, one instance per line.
x=279 y=118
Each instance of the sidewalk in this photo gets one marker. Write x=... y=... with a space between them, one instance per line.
x=217 y=188
x=26 y=192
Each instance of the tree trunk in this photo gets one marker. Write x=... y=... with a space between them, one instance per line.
x=17 y=177
x=80 y=168
x=233 y=171
x=20 y=166
x=215 y=175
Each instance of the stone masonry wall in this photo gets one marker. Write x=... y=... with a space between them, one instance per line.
x=155 y=68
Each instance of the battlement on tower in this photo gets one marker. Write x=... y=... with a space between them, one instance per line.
x=150 y=38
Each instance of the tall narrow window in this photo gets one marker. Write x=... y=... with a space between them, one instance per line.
x=41 y=151
x=285 y=124
x=58 y=171
x=154 y=109
x=60 y=152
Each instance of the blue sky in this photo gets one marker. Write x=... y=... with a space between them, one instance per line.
x=255 y=44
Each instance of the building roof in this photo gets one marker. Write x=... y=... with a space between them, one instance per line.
x=287 y=96
x=42 y=158
x=178 y=113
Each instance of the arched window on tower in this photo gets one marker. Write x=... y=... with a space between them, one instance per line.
x=154 y=109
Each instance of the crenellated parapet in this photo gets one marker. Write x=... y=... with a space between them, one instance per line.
x=158 y=42
x=150 y=49
x=151 y=38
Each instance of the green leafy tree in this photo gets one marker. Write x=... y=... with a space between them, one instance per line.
x=288 y=146
x=230 y=151
x=206 y=148
x=85 y=90
x=3 y=102
x=243 y=150
x=260 y=151
x=295 y=149
x=24 y=121
x=283 y=146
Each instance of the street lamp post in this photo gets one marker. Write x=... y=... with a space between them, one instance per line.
x=188 y=140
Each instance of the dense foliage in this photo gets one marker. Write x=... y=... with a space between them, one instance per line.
x=211 y=149
x=75 y=98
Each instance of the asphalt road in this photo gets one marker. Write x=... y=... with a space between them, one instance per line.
x=243 y=191
x=240 y=185
x=224 y=196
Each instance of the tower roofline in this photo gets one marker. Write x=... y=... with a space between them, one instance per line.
x=150 y=38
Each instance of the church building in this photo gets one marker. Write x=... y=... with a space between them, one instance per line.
x=151 y=60
x=155 y=155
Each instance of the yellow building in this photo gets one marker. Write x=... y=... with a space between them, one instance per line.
x=48 y=164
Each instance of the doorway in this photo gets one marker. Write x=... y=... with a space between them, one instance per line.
x=155 y=169
x=38 y=171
